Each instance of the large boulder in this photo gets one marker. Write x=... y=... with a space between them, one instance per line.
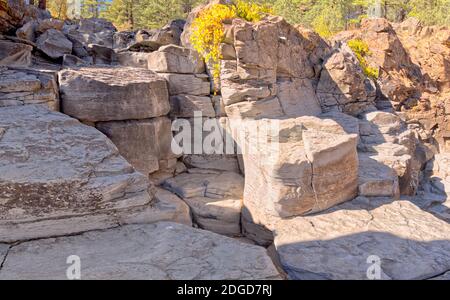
x=175 y=59
x=158 y=251
x=23 y=86
x=113 y=94
x=309 y=165
x=11 y=14
x=343 y=86
x=15 y=54
x=59 y=177
x=190 y=84
x=363 y=239
x=167 y=35
x=143 y=143
x=54 y=44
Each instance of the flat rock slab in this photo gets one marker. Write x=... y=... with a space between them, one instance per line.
x=348 y=241
x=58 y=176
x=23 y=86
x=113 y=94
x=156 y=251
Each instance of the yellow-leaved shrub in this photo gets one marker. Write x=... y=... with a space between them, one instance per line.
x=361 y=50
x=208 y=28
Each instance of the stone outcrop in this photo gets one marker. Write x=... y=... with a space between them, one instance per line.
x=414 y=77
x=109 y=94
x=343 y=243
x=61 y=177
x=157 y=251
x=270 y=75
x=309 y=165
x=144 y=143
x=343 y=85
x=23 y=86
x=131 y=112
x=215 y=198
x=54 y=44
x=14 y=54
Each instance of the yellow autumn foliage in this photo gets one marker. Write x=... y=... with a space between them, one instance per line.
x=208 y=29
x=361 y=50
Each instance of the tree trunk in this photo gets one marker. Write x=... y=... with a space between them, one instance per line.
x=42 y=4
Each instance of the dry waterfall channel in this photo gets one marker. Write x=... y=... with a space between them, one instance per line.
x=359 y=172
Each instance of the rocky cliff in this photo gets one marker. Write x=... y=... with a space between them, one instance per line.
x=297 y=148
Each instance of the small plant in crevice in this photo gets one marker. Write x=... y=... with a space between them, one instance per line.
x=361 y=50
x=208 y=28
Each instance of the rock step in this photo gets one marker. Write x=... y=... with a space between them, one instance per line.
x=350 y=240
x=215 y=198
x=375 y=178
x=162 y=250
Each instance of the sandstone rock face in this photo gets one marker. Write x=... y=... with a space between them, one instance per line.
x=343 y=243
x=105 y=94
x=267 y=73
x=343 y=86
x=143 y=143
x=22 y=86
x=215 y=199
x=54 y=44
x=61 y=177
x=156 y=251
x=313 y=165
x=15 y=54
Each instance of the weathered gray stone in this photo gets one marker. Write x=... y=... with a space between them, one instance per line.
x=133 y=59
x=15 y=54
x=187 y=84
x=175 y=59
x=212 y=162
x=101 y=55
x=408 y=242
x=298 y=98
x=27 y=31
x=157 y=251
x=184 y=106
x=54 y=44
x=46 y=24
x=343 y=85
x=214 y=198
x=143 y=143
x=376 y=179
x=309 y=165
x=106 y=94
x=60 y=177
x=71 y=61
